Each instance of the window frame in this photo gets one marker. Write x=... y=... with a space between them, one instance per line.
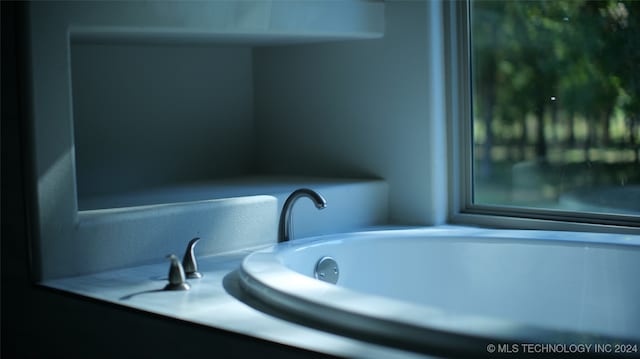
x=459 y=96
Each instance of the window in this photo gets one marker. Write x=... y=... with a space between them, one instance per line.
x=549 y=128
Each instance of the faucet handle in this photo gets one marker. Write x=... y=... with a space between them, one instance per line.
x=189 y=261
x=176 y=275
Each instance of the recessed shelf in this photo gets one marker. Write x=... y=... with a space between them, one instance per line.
x=136 y=130
x=136 y=227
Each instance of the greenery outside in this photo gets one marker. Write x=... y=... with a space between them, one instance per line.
x=556 y=88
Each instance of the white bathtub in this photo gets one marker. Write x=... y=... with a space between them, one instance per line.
x=459 y=291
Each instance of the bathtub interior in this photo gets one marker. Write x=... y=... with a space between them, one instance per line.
x=566 y=286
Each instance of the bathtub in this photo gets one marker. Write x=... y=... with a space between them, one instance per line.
x=458 y=291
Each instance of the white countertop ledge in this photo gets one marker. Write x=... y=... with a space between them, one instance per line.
x=210 y=301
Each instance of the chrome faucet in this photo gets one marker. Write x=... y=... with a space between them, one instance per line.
x=284 y=228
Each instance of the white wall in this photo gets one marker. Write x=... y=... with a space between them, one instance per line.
x=151 y=115
x=347 y=109
x=356 y=108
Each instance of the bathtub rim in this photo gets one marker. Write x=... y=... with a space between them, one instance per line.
x=264 y=277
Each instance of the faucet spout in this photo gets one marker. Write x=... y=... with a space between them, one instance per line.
x=284 y=227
